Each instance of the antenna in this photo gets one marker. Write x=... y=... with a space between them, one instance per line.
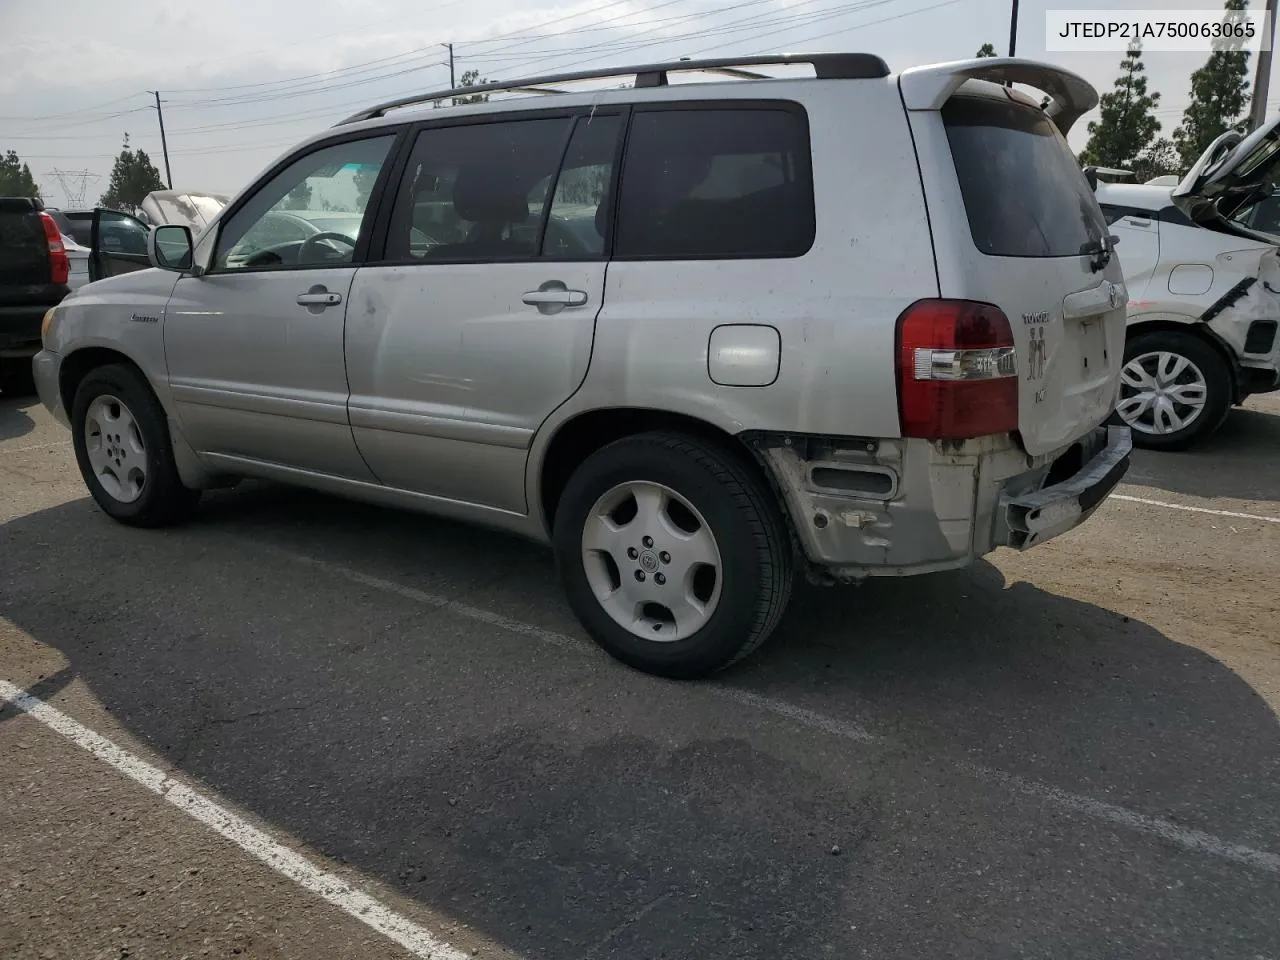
x=74 y=183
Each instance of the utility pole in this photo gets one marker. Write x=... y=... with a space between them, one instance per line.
x=164 y=145
x=1013 y=27
x=1262 y=77
x=452 y=82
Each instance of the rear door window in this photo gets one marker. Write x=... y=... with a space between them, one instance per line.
x=1024 y=193
x=716 y=183
x=475 y=192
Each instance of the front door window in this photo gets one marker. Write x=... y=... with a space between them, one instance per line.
x=309 y=215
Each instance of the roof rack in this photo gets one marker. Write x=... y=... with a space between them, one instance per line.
x=827 y=66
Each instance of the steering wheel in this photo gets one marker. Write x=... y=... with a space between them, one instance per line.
x=305 y=250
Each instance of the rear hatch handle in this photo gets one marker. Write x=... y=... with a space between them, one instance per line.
x=929 y=87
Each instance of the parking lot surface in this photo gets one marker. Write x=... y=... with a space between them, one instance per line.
x=1068 y=752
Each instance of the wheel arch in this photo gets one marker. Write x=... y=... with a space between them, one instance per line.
x=584 y=433
x=81 y=362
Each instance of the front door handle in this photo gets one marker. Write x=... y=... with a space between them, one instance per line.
x=319 y=299
x=555 y=297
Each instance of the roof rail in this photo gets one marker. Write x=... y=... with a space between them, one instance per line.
x=827 y=66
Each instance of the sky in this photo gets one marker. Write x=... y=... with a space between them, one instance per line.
x=243 y=80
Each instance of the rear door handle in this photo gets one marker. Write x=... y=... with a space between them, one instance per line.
x=555 y=297
x=315 y=299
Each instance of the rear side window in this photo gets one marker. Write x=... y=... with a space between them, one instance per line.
x=716 y=184
x=1024 y=193
x=476 y=192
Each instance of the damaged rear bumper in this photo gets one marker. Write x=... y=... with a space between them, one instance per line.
x=1029 y=519
x=865 y=507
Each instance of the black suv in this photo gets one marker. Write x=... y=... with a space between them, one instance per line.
x=33 y=278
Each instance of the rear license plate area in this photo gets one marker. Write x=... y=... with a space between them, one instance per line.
x=1094 y=355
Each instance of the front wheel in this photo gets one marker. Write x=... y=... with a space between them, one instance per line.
x=674 y=555
x=1175 y=390
x=121 y=438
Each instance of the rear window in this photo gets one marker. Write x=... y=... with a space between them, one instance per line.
x=1024 y=193
x=81 y=225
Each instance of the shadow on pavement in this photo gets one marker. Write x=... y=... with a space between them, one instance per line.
x=14 y=421
x=567 y=807
x=1240 y=461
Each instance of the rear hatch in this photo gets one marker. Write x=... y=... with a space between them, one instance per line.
x=25 y=270
x=1031 y=239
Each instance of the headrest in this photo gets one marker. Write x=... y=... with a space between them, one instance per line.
x=489 y=194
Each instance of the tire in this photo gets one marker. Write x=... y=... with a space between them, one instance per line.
x=1149 y=358
x=700 y=491
x=17 y=379
x=139 y=485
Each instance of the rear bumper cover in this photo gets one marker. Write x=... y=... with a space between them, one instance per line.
x=1028 y=519
x=939 y=506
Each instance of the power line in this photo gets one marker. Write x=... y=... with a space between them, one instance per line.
x=69 y=113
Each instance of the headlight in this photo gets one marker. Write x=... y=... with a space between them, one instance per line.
x=44 y=324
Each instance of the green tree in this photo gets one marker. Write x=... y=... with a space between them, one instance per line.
x=132 y=178
x=15 y=177
x=986 y=50
x=299 y=198
x=1158 y=160
x=1126 y=125
x=1219 y=95
x=469 y=78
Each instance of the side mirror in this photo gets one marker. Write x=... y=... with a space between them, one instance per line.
x=169 y=247
x=1091 y=177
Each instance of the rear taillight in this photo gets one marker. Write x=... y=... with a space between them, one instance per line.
x=60 y=266
x=957 y=370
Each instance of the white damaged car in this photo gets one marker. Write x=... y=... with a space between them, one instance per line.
x=1203 y=274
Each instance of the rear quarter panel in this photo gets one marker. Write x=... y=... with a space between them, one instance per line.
x=1221 y=259
x=834 y=308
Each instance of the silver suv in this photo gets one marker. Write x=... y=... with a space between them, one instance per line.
x=698 y=336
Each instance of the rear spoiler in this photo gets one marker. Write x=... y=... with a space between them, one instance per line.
x=21 y=205
x=1071 y=96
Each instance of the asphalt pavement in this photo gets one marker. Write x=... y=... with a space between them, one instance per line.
x=300 y=727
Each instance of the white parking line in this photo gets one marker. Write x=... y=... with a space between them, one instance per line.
x=419 y=941
x=1190 y=509
x=1193 y=840
x=780 y=707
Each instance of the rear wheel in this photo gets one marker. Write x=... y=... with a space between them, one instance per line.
x=121 y=438
x=16 y=377
x=1175 y=390
x=673 y=554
